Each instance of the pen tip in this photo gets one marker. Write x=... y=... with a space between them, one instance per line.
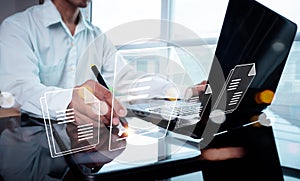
x=92 y=65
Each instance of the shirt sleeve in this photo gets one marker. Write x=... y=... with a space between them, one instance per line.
x=19 y=69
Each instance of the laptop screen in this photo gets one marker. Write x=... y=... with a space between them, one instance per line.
x=251 y=35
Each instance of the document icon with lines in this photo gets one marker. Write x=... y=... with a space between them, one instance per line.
x=65 y=116
x=85 y=132
x=237 y=83
x=66 y=132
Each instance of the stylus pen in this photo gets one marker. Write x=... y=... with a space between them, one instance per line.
x=102 y=82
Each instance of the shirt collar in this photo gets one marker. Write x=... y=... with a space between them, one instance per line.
x=52 y=16
x=82 y=24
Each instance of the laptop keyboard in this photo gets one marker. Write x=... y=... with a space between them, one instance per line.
x=179 y=109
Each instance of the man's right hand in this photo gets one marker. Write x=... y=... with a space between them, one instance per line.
x=85 y=113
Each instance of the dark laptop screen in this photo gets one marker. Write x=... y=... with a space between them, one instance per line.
x=252 y=33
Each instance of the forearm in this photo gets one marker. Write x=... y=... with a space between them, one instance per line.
x=28 y=94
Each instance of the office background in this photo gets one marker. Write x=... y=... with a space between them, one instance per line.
x=205 y=18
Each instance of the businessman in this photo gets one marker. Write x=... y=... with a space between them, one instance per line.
x=39 y=51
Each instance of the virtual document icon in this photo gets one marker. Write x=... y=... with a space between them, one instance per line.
x=236 y=85
x=67 y=133
x=65 y=116
x=151 y=91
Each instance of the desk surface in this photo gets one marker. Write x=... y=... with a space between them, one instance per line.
x=25 y=154
x=9 y=112
x=28 y=147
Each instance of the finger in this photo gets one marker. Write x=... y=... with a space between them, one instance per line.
x=195 y=90
x=108 y=119
x=105 y=120
x=104 y=94
x=118 y=109
x=198 y=89
x=106 y=104
x=87 y=113
x=104 y=109
x=80 y=104
x=203 y=82
x=82 y=119
x=115 y=131
x=92 y=109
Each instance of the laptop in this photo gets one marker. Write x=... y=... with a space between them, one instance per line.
x=254 y=43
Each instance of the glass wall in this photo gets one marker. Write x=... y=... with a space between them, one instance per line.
x=286 y=105
x=112 y=13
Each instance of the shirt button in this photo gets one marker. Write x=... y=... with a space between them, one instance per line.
x=72 y=68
